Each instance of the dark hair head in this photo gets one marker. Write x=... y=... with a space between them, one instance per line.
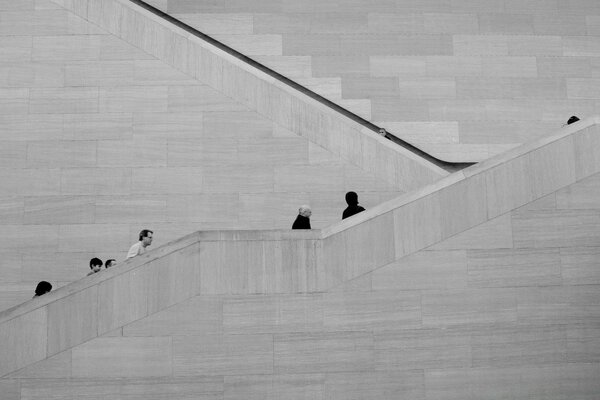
x=351 y=198
x=42 y=288
x=572 y=120
x=144 y=233
x=108 y=262
x=95 y=261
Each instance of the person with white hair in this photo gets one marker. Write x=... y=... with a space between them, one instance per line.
x=303 y=219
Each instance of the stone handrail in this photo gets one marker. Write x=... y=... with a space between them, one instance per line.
x=285 y=261
x=159 y=35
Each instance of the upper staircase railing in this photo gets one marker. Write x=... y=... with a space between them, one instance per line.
x=446 y=165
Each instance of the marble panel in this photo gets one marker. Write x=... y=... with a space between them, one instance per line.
x=200 y=315
x=31 y=127
x=105 y=126
x=418 y=349
x=468 y=307
x=196 y=388
x=505 y=23
x=396 y=23
x=511 y=88
x=364 y=385
x=300 y=178
x=21 y=74
x=52 y=154
x=582 y=195
x=583 y=343
x=510 y=67
x=23 y=340
x=397 y=108
x=452 y=110
x=167 y=180
x=63 y=331
x=14 y=101
x=311 y=45
x=57 y=366
x=583 y=88
x=546 y=23
x=559 y=228
x=364 y=311
x=137 y=152
x=592 y=24
x=417 y=225
x=484 y=6
x=453 y=66
x=475 y=45
x=157 y=72
x=423 y=270
x=557 y=161
x=209 y=207
x=453 y=23
x=99 y=73
x=514 y=267
x=323 y=352
x=12 y=267
x=35 y=238
x=34 y=181
x=586 y=46
x=239 y=178
x=55 y=210
x=273 y=314
x=222 y=355
x=63 y=267
x=6 y=5
x=519 y=345
x=130 y=209
x=274 y=208
x=171 y=125
x=502 y=131
x=13 y=154
x=558 y=305
x=273 y=151
x=355 y=87
x=123 y=299
x=134 y=99
x=63 y=100
x=95 y=181
x=579 y=265
x=93 y=237
x=16 y=48
x=463 y=205
x=573 y=67
x=123 y=357
x=509 y=186
x=338 y=21
x=586 y=152
x=255 y=387
x=391 y=66
x=428 y=88
x=199 y=98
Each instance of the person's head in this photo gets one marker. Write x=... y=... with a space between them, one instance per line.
x=109 y=263
x=305 y=211
x=42 y=288
x=382 y=132
x=351 y=198
x=96 y=264
x=146 y=237
x=572 y=120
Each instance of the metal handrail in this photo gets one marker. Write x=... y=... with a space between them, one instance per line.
x=446 y=165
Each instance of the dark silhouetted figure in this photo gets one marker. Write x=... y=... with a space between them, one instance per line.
x=95 y=266
x=572 y=120
x=42 y=288
x=110 y=263
x=303 y=219
x=353 y=207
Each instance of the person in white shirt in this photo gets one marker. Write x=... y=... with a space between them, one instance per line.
x=140 y=247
